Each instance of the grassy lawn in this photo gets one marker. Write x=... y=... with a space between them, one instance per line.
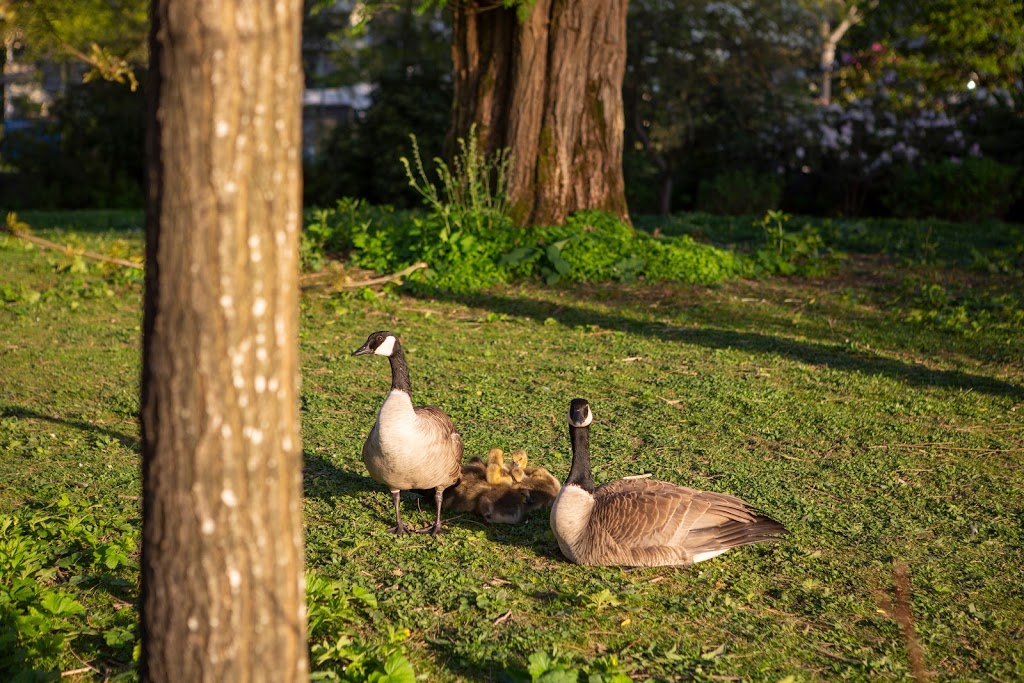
x=877 y=411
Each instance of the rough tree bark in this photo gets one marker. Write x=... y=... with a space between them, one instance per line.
x=549 y=88
x=222 y=565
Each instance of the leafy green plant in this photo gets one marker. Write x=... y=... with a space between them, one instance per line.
x=545 y=667
x=788 y=252
x=18 y=294
x=46 y=555
x=345 y=659
x=329 y=232
x=337 y=651
x=474 y=189
x=965 y=312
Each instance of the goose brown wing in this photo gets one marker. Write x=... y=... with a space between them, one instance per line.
x=441 y=424
x=648 y=512
x=640 y=512
x=439 y=419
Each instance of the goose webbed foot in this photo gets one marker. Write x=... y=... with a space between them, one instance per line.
x=398 y=529
x=435 y=529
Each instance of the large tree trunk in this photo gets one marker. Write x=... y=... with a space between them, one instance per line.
x=549 y=88
x=222 y=564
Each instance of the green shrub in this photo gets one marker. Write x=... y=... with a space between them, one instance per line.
x=599 y=247
x=968 y=190
x=591 y=247
x=739 y=192
x=469 y=241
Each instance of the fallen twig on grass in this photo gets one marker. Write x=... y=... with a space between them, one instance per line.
x=70 y=251
x=76 y=672
x=363 y=283
x=503 y=618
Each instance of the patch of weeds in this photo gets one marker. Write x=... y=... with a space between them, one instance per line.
x=473 y=197
x=966 y=311
x=47 y=556
x=19 y=294
x=337 y=651
x=693 y=665
x=552 y=667
x=790 y=252
x=1000 y=261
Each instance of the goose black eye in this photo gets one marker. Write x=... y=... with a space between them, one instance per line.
x=380 y=338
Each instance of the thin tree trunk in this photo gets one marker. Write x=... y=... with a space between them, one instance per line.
x=3 y=78
x=665 y=195
x=830 y=41
x=222 y=566
x=550 y=89
x=655 y=155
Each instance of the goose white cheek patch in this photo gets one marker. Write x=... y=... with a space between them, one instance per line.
x=386 y=347
x=586 y=420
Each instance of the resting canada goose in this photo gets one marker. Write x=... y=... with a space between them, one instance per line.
x=517 y=470
x=543 y=488
x=500 y=503
x=541 y=484
x=497 y=470
x=645 y=522
x=409 y=447
x=503 y=504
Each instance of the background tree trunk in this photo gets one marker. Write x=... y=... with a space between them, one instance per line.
x=222 y=565
x=550 y=89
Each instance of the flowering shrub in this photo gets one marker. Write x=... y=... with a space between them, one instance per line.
x=857 y=147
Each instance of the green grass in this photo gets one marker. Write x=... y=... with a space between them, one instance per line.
x=876 y=434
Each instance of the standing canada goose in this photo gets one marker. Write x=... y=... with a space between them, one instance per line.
x=409 y=447
x=645 y=522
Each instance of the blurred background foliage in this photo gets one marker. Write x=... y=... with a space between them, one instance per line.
x=727 y=106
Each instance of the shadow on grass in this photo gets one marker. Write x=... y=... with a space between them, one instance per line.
x=133 y=443
x=830 y=355
x=323 y=480
x=484 y=670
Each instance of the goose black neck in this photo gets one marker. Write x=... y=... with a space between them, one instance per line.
x=399 y=369
x=579 y=473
